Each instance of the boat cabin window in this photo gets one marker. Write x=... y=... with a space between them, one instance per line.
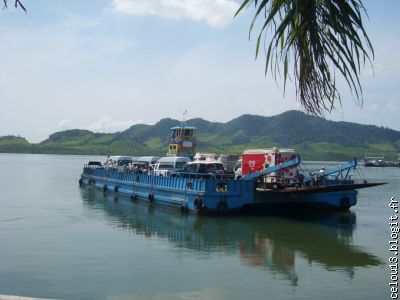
x=181 y=131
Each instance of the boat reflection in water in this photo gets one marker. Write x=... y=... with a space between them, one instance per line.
x=270 y=242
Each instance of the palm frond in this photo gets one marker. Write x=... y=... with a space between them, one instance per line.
x=314 y=40
x=16 y=4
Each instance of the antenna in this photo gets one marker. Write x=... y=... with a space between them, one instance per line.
x=183 y=117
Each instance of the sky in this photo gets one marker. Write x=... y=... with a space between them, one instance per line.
x=105 y=65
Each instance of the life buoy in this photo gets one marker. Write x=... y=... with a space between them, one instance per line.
x=80 y=182
x=116 y=188
x=184 y=209
x=345 y=202
x=198 y=203
x=222 y=207
x=104 y=188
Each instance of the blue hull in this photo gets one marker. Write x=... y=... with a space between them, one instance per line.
x=211 y=195
x=194 y=195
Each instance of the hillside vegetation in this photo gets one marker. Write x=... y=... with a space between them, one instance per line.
x=313 y=137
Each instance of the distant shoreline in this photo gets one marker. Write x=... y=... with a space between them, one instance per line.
x=313 y=137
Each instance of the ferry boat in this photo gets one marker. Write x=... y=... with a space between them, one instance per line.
x=380 y=161
x=270 y=179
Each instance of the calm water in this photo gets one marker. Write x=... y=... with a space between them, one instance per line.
x=61 y=241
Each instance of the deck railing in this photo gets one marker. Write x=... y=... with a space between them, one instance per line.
x=196 y=184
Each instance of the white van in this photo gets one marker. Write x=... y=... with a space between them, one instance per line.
x=168 y=163
x=148 y=160
x=118 y=162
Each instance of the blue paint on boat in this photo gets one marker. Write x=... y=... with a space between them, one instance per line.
x=195 y=195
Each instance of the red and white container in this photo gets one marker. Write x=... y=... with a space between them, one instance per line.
x=260 y=159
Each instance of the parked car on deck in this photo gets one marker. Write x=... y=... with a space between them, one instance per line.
x=148 y=160
x=165 y=165
x=204 y=170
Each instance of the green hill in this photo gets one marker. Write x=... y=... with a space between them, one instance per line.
x=313 y=137
x=14 y=144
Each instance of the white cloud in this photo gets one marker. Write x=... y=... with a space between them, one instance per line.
x=372 y=107
x=215 y=12
x=75 y=22
x=376 y=69
x=64 y=125
x=106 y=124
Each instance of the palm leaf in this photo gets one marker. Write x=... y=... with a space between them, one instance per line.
x=315 y=40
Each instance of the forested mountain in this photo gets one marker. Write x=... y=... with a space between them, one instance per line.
x=313 y=137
